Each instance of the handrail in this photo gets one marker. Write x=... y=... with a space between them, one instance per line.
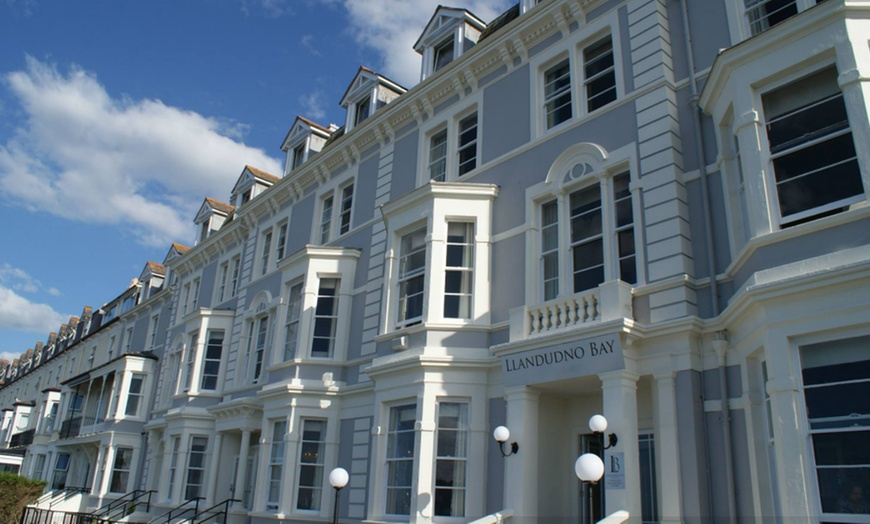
x=208 y=513
x=127 y=501
x=494 y=518
x=169 y=514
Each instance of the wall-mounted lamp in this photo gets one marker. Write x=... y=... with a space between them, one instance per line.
x=589 y=467
x=501 y=435
x=337 y=479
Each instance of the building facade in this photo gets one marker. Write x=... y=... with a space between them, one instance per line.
x=654 y=210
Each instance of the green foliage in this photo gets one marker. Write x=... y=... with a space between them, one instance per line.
x=15 y=493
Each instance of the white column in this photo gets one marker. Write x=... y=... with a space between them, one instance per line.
x=521 y=469
x=668 y=449
x=244 y=449
x=214 y=466
x=620 y=409
x=790 y=449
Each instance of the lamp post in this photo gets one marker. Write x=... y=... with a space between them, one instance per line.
x=337 y=479
x=501 y=435
x=589 y=467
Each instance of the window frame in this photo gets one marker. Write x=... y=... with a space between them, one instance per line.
x=464 y=457
x=119 y=471
x=572 y=49
x=277 y=449
x=190 y=467
x=208 y=357
x=335 y=211
x=392 y=436
x=317 y=487
x=445 y=156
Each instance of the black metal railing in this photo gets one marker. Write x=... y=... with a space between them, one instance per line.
x=125 y=505
x=216 y=514
x=71 y=427
x=25 y=438
x=182 y=510
x=33 y=515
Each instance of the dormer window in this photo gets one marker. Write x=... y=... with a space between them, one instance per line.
x=528 y=4
x=304 y=140
x=448 y=35
x=367 y=93
x=363 y=108
x=443 y=54
x=211 y=216
x=298 y=155
x=251 y=183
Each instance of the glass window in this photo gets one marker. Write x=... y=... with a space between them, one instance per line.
x=836 y=380
x=587 y=248
x=412 y=270
x=61 y=466
x=291 y=328
x=438 y=156
x=600 y=74
x=362 y=110
x=557 y=94
x=134 y=395
x=260 y=348
x=235 y=276
x=814 y=162
x=222 y=281
x=624 y=221
x=459 y=273
x=451 y=459
x=267 y=247
x=325 y=318
x=298 y=155
x=648 y=490
x=121 y=470
x=173 y=466
x=401 y=441
x=276 y=464
x=467 y=144
x=326 y=219
x=196 y=467
x=311 y=464
x=443 y=54
x=550 y=248
x=346 y=207
x=282 y=242
x=211 y=364
x=764 y=14
x=155 y=320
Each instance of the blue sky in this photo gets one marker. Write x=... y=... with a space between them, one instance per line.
x=118 y=117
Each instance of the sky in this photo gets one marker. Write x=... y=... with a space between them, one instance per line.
x=117 y=118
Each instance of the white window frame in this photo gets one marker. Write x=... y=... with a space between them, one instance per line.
x=449 y=124
x=335 y=219
x=132 y=395
x=571 y=48
x=190 y=467
x=265 y=250
x=208 y=357
x=275 y=471
x=739 y=23
x=580 y=167
x=463 y=456
x=392 y=433
x=295 y=292
x=320 y=463
x=155 y=322
x=122 y=472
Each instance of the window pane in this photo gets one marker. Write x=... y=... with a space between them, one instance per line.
x=557 y=94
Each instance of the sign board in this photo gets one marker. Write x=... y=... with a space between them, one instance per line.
x=574 y=359
x=614 y=471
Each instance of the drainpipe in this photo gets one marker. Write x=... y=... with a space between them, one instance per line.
x=720 y=342
x=720 y=346
x=702 y=161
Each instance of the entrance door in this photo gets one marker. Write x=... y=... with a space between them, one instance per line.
x=591 y=495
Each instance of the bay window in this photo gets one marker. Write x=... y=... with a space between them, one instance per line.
x=459 y=272
x=401 y=443
x=291 y=326
x=195 y=467
x=325 y=318
x=134 y=394
x=311 y=464
x=276 y=464
x=451 y=458
x=121 y=470
x=812 y=152
x=211 y=364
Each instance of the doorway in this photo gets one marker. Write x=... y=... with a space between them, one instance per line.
x=591 y=495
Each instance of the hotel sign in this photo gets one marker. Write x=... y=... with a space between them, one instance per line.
x=579 y=358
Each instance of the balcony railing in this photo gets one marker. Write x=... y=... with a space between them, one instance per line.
x=25 y=438
x=608 y=301
x=71 y=427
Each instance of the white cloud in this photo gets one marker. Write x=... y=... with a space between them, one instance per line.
x=9 y=355
x=20 y=314
x=138 y=164
x=307 y=42
x=313 y=104
x=18 y=280
x=390 y=28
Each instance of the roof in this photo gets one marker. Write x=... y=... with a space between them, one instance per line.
x=155 y=268
x=500 y=21
x=262 y=175
x=180 y=248
x=217 y=205
x=325 y=131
